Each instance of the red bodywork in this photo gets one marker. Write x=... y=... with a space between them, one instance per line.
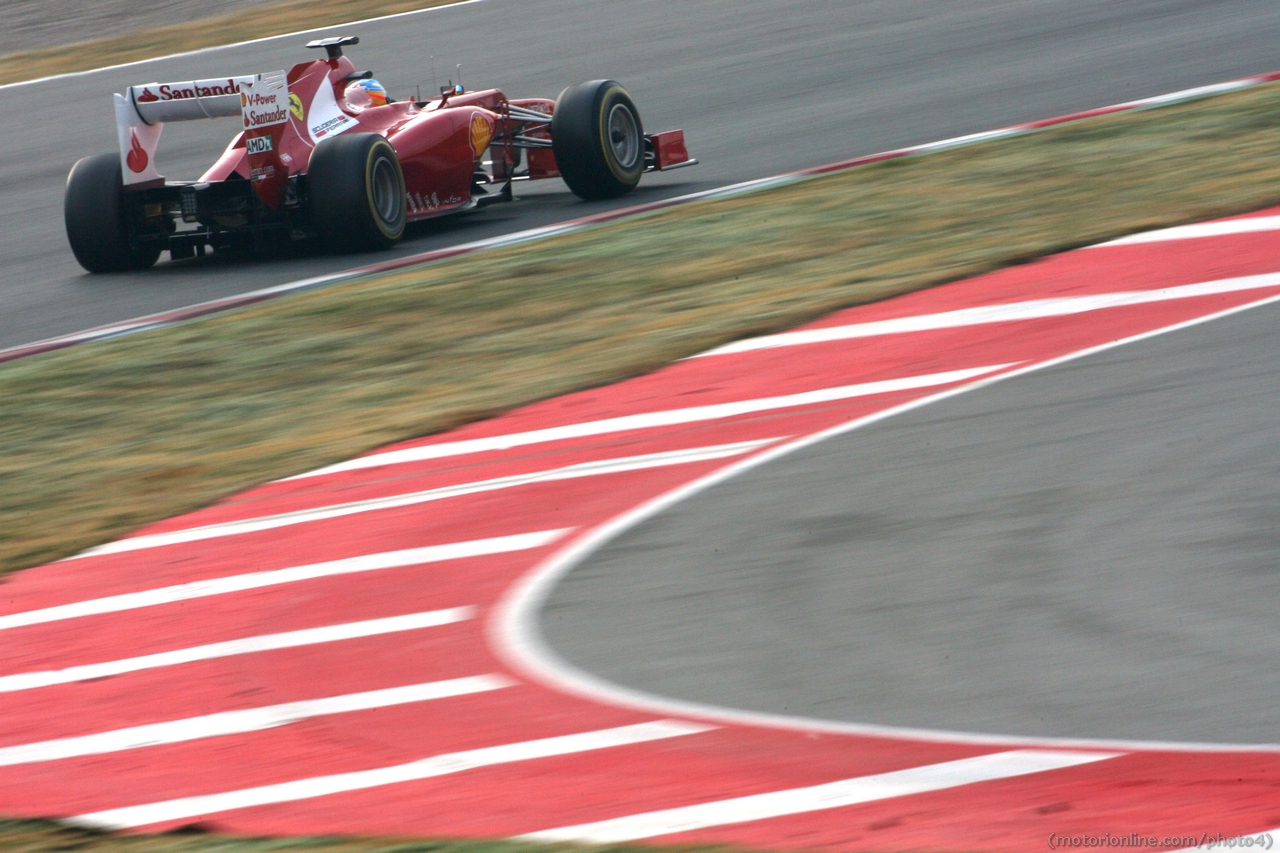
x=440 y=144
x=453 y=151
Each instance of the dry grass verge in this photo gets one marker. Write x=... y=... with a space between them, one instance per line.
x=269 y=20
x=33 y=836
x=102 y=438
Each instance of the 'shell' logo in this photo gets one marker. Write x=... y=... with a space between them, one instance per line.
x=137 y=157
x=481 y=133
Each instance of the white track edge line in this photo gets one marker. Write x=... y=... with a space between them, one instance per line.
x=1198 y=230
x=594 y=468
x=244 y=720
x=652 y=420
x=514 y=632
x=67 y=75
x=227 y=584
x=31 y=680
x=997 y=312
x=842 y=793
x=360 y=780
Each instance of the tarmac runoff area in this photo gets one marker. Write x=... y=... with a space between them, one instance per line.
x=1087 y=551
x=359 y=650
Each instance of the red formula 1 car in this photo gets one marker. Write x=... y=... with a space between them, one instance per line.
x=325 y=154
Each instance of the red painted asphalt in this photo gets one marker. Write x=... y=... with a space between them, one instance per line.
x=1149 y=791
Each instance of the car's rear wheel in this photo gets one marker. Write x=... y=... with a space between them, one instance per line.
x=598 y=139
x=356 y=193
x=96 y=218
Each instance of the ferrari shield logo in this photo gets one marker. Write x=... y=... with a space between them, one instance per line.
x=481 y=133
x=295 y=105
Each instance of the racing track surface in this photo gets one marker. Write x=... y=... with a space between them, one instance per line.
x=760 y=88
x=1086 y=551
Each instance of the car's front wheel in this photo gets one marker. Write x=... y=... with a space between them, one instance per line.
x=95 y=216
x=356 y=193
x=598 y=139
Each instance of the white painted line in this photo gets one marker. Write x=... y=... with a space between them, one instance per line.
x=1198 y=92
x=215 y=48
x=243 y=721
x=649 y=420
x=1203 y=229
x=514 y=632
x=427 y=768
x=230 y=648
x=293 y=574
x=833 y=795
x=999 y=313
x=568 y=472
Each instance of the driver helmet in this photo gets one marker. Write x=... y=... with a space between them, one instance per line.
x=363 y=94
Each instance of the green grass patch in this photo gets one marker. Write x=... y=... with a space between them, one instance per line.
x=37 y=836
x=149 y=43
x=102 y=438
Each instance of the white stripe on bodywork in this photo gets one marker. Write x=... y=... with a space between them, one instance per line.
x=1001 y=313
x=833 y=795
x=427 y=768
x=568 y=472
x=244 y=720
x=649 y=420
x=230 y=648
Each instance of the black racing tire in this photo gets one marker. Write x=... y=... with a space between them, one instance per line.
x=97 y=226
x=356 y=193
x=598 y=140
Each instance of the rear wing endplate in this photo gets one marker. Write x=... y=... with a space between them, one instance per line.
x=142 y=111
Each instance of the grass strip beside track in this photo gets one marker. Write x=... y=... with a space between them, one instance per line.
x=149 y=43
x=102 y=438
x=37 y=836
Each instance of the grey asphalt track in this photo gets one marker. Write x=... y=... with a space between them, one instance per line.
x=1092 y=551
x=31 y=24
x=761 y=87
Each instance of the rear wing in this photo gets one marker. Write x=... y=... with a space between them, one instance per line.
x=260 y=100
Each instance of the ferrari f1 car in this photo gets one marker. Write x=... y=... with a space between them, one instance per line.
x=324 y=155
